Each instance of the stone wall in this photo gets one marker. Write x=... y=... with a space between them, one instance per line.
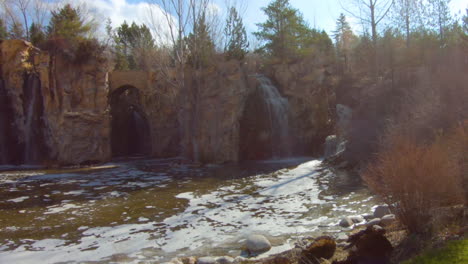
x=200 y=121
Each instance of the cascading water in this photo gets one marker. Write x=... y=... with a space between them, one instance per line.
x=32 y=119
x=138 y=129
x=278 y=114
x=264 y=125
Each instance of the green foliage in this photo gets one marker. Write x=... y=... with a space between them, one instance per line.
x=3 y=30
x=87 y=50
x=200 y=45
x=236 y=36
x=37 y=35
x=344 y=41
x=132 y=42
x=67 y=23
x=285 y=33
x=465 y=22
x=16 y=31
x=454 y=252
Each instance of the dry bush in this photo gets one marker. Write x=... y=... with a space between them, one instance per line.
x=415 y=179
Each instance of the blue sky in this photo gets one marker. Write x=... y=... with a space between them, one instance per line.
x=319 y=13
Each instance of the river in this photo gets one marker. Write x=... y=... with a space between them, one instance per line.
x=155 y=210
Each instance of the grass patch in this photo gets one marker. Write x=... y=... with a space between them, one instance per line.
x=454 y=252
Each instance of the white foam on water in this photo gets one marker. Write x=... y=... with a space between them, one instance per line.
x=19 y=199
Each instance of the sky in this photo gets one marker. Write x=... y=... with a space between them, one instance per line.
x=320 y=14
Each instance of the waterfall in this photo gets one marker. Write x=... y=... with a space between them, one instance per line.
x=278 y=115
x=32 y=116
x=138 y=128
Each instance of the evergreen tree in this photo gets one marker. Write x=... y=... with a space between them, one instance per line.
x=465 y=22
x=236 y=36
x=131 y=44
x=37 y=36
x=344 y=39
x=67 y=23
x=16 y=31
x=200 y=44
x=285 y=33
x=439 y=17
x=3 y=30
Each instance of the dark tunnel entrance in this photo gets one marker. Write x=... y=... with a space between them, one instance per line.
x=130 y=129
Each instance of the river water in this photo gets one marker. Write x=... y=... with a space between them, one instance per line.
x=154 y=210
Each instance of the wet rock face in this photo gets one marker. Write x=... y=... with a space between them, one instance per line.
x=10 y=151
x=130 y=128
x=211 y=107
x=309 y=89
x=59 y=109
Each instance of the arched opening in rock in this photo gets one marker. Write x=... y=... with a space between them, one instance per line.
x=264 y=126
x=130 y=129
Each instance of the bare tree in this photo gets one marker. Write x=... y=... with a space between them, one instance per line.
x=370 y=12
x=40 y=12
x=12 y=20
x=181 y=18
x=406 y=14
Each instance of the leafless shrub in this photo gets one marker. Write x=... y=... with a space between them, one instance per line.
x=416 y=179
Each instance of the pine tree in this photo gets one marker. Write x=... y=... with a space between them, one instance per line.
x=3 y=30
x=16 y=31
x=439 y=17
x=131 y=44
x=465 y=22
x=344 y=39
x=200 y=44
x=236 y=36
x=284 y=32
x=67 y=23
x=37 y=36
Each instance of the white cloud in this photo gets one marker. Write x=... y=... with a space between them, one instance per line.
x=119 y=11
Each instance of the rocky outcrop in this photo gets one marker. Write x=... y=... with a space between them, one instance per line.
x=58 y=110
x=212 y=106
x=57 y=104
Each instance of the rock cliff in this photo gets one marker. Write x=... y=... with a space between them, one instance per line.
x=310 y=92
x=59 y=108
x=70 y=112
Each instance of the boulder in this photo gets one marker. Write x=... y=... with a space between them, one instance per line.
x=368 y=217
x=388 y=219
x=257 y=244
x=356 y=219
x=322 y=247
x=346 y=222
x=344 y=114
x=206 y=260
x=175 y=261
x=189 y=260
x=369 y=246
x=331 y=144
x=375 y=221
x=342 y=237
x=381 y=210
x=224 y=260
